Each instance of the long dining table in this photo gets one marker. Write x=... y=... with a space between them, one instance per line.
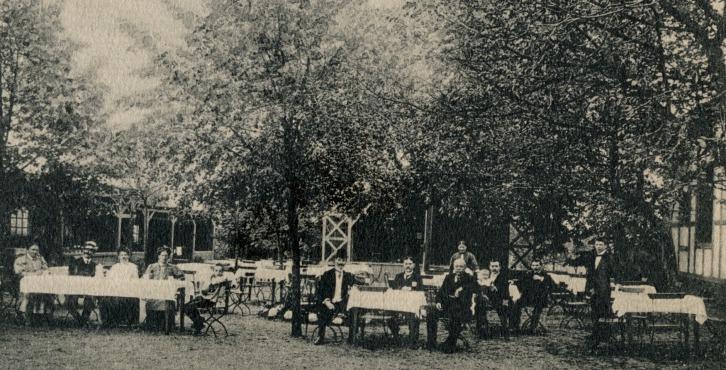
x=143 y=289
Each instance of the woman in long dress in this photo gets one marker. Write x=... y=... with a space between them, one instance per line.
x=114 y=310
x=161 y=270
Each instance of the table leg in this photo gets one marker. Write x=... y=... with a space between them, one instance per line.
x=182 y=299
x=226 y=300
x=353 y=326
x=273 y=292
x=686 y=340
x=167 y=314
x=696 y=336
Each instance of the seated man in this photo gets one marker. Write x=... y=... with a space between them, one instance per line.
x=32 y=305
x=497 y=290
x=332 y=295
x=537 y=287
x=84 y=266
x=409 y=279
x=205 y=300
x=453 y=302
x=161 y=270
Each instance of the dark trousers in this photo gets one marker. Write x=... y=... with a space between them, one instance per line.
x=413 y=325
x=192 y=308
x=482 y=322
x=326 y=315
x=536 y=315
x=504 y=312
x=88 y=307
x=454 y=323
x=119 y=311
x=599 y=309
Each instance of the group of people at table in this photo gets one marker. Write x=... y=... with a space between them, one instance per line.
x=468 y=293
x=113 y=311
x=465 y=292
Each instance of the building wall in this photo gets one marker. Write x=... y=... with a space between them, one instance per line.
x=706 y=260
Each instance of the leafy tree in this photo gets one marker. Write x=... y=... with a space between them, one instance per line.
x=46 y=108
x=277 y=116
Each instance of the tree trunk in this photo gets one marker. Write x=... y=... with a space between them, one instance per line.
x=294 y=246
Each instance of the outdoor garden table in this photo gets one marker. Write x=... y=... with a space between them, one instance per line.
x=575 y=284
x=167 y=290
x=435 y=280
x=387 y=301
x=691 y=306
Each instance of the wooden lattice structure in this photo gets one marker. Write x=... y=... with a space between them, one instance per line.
x=337 y=236
x=521 y=246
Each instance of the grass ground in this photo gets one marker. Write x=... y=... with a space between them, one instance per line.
x=256 y=343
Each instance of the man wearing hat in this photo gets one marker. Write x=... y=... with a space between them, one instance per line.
x=83 y=266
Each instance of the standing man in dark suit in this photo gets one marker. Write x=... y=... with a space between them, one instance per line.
x=497 y=289
x=332 y=295
x=409 y=279
x=83 y=266
x=453 y=302
x=600 y=272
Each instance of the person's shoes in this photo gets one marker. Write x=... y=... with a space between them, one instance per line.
x=319 y=340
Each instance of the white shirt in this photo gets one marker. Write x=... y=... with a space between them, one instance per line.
x=122 y=270
x=598 y=258
x=338 y=296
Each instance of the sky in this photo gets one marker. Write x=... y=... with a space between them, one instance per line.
x=95 y=25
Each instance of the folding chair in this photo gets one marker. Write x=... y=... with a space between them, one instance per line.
x=557 y=299
x=469 y=337
x=9 y=299
x=335 y=327
x=239 y=296
x=210 y=311
x=716 y=327
x=528 y=312
x=575 y=310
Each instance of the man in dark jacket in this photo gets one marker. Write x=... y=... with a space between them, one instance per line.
x=600 y=272
x=535 y=287
x=409 y=279
x=497 y=290
x=83 y=266
x=453 y=302
x=332 y=295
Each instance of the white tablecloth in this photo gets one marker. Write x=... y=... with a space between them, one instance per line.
x=643 y=289
x=389 y=300
x=640 y=303
x=82 y=285
x=435 y=280
x=203 y=274
x=352 y=268
x=575 y=284
x=267 y=274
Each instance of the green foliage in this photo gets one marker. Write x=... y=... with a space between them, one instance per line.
x=48 y=110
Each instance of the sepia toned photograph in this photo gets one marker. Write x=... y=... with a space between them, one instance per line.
x=362 y=184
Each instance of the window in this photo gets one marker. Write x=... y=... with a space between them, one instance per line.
x=19 y=224
x=136 y=233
